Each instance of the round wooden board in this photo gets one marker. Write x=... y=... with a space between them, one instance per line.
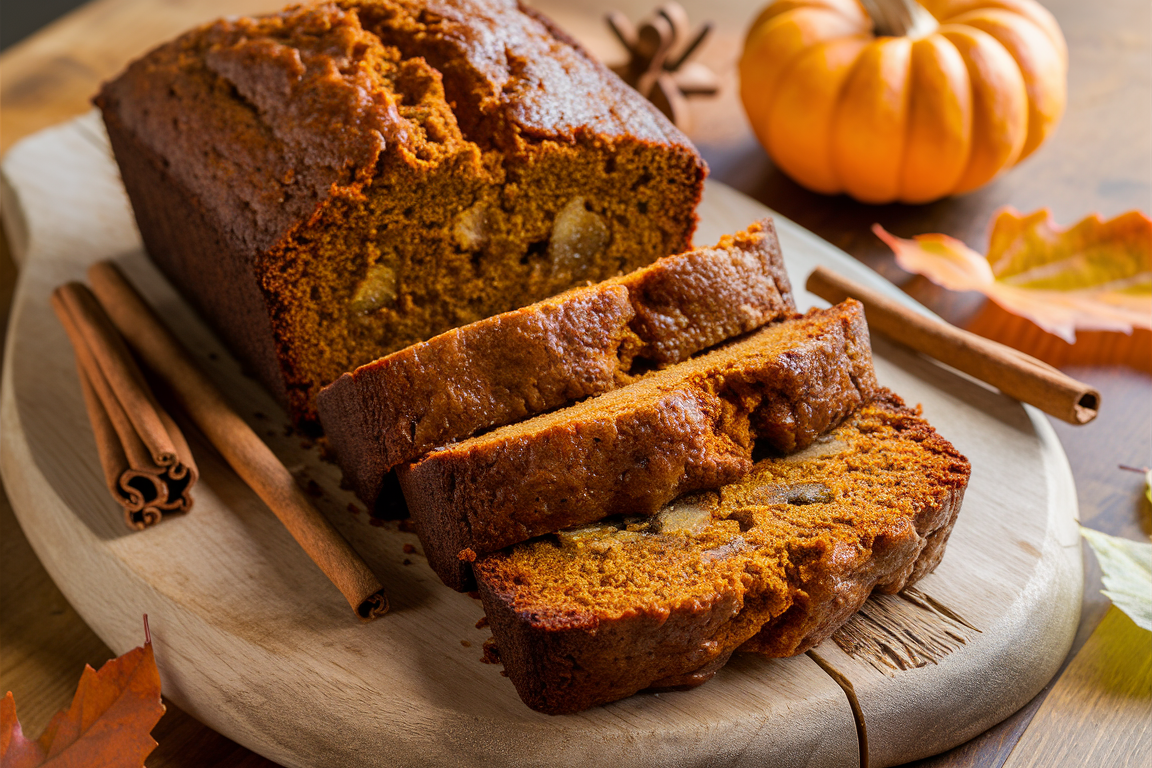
x=252 y=640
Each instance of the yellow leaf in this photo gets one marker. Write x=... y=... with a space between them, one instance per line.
x=1096 y=275
x=1127 y=572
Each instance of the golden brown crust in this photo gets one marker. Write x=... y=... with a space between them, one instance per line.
x=505 y=368
x=692 y=301
x=633 y=449
x=784 y=557
x=379 y=171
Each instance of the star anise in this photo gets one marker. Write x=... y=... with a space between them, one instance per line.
x=658 y=65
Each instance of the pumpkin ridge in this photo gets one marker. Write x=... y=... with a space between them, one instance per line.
x=994 y=101
x=932 y=164
x=800 y=151
x=816 y=20
x=906 y=115
x=1025 y=9
x=867 y=135
x=1043 y=70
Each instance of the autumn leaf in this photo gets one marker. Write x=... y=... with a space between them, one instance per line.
x=1127 y=567
x=1096 y=275
x=108 y=724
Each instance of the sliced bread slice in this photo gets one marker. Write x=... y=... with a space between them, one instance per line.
x=773 y=563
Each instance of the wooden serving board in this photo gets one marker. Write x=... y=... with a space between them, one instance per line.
x=253 y=640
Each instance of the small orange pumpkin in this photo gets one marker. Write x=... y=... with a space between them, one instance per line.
x=902 y=101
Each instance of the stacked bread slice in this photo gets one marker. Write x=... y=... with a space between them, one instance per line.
x=588 y=463
x=631 y=450
x=550 y=354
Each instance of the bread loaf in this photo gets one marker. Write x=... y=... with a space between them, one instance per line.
x=339 y=181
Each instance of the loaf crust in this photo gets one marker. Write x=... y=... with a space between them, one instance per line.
x=339 y=181
x=632 y=450
x=784 y=556
x=505 y=368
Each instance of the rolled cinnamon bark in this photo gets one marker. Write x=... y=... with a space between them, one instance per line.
x=147 y=464
x=136 y=490
x=1011 y=371
x=247 y=454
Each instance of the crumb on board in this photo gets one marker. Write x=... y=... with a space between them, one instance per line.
x=326 y=453
x=491 y=652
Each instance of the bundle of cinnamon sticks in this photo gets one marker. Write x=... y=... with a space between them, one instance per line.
x=147 y=464
x=146 y=460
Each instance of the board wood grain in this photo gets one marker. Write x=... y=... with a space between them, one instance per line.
x=252 y=640
x=1100 y=711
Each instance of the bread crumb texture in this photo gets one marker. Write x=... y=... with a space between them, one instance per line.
x=688 y=427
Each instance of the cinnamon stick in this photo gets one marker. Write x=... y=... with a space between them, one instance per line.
x=247 y=454
x=1011 y=371
x=147 y=464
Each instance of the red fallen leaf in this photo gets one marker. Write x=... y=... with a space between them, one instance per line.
x=1093 y=276
x=108 y=724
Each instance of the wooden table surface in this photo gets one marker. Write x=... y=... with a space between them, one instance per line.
x=1098 y=709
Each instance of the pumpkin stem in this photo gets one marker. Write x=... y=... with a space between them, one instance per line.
x=899 y=18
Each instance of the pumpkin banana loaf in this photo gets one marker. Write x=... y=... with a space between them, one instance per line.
x=552 y=353
x=773 y=563
x=339 y=181
x=632 y=450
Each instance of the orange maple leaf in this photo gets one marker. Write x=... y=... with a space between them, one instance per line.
x=109 y=723
x=1095 y=275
